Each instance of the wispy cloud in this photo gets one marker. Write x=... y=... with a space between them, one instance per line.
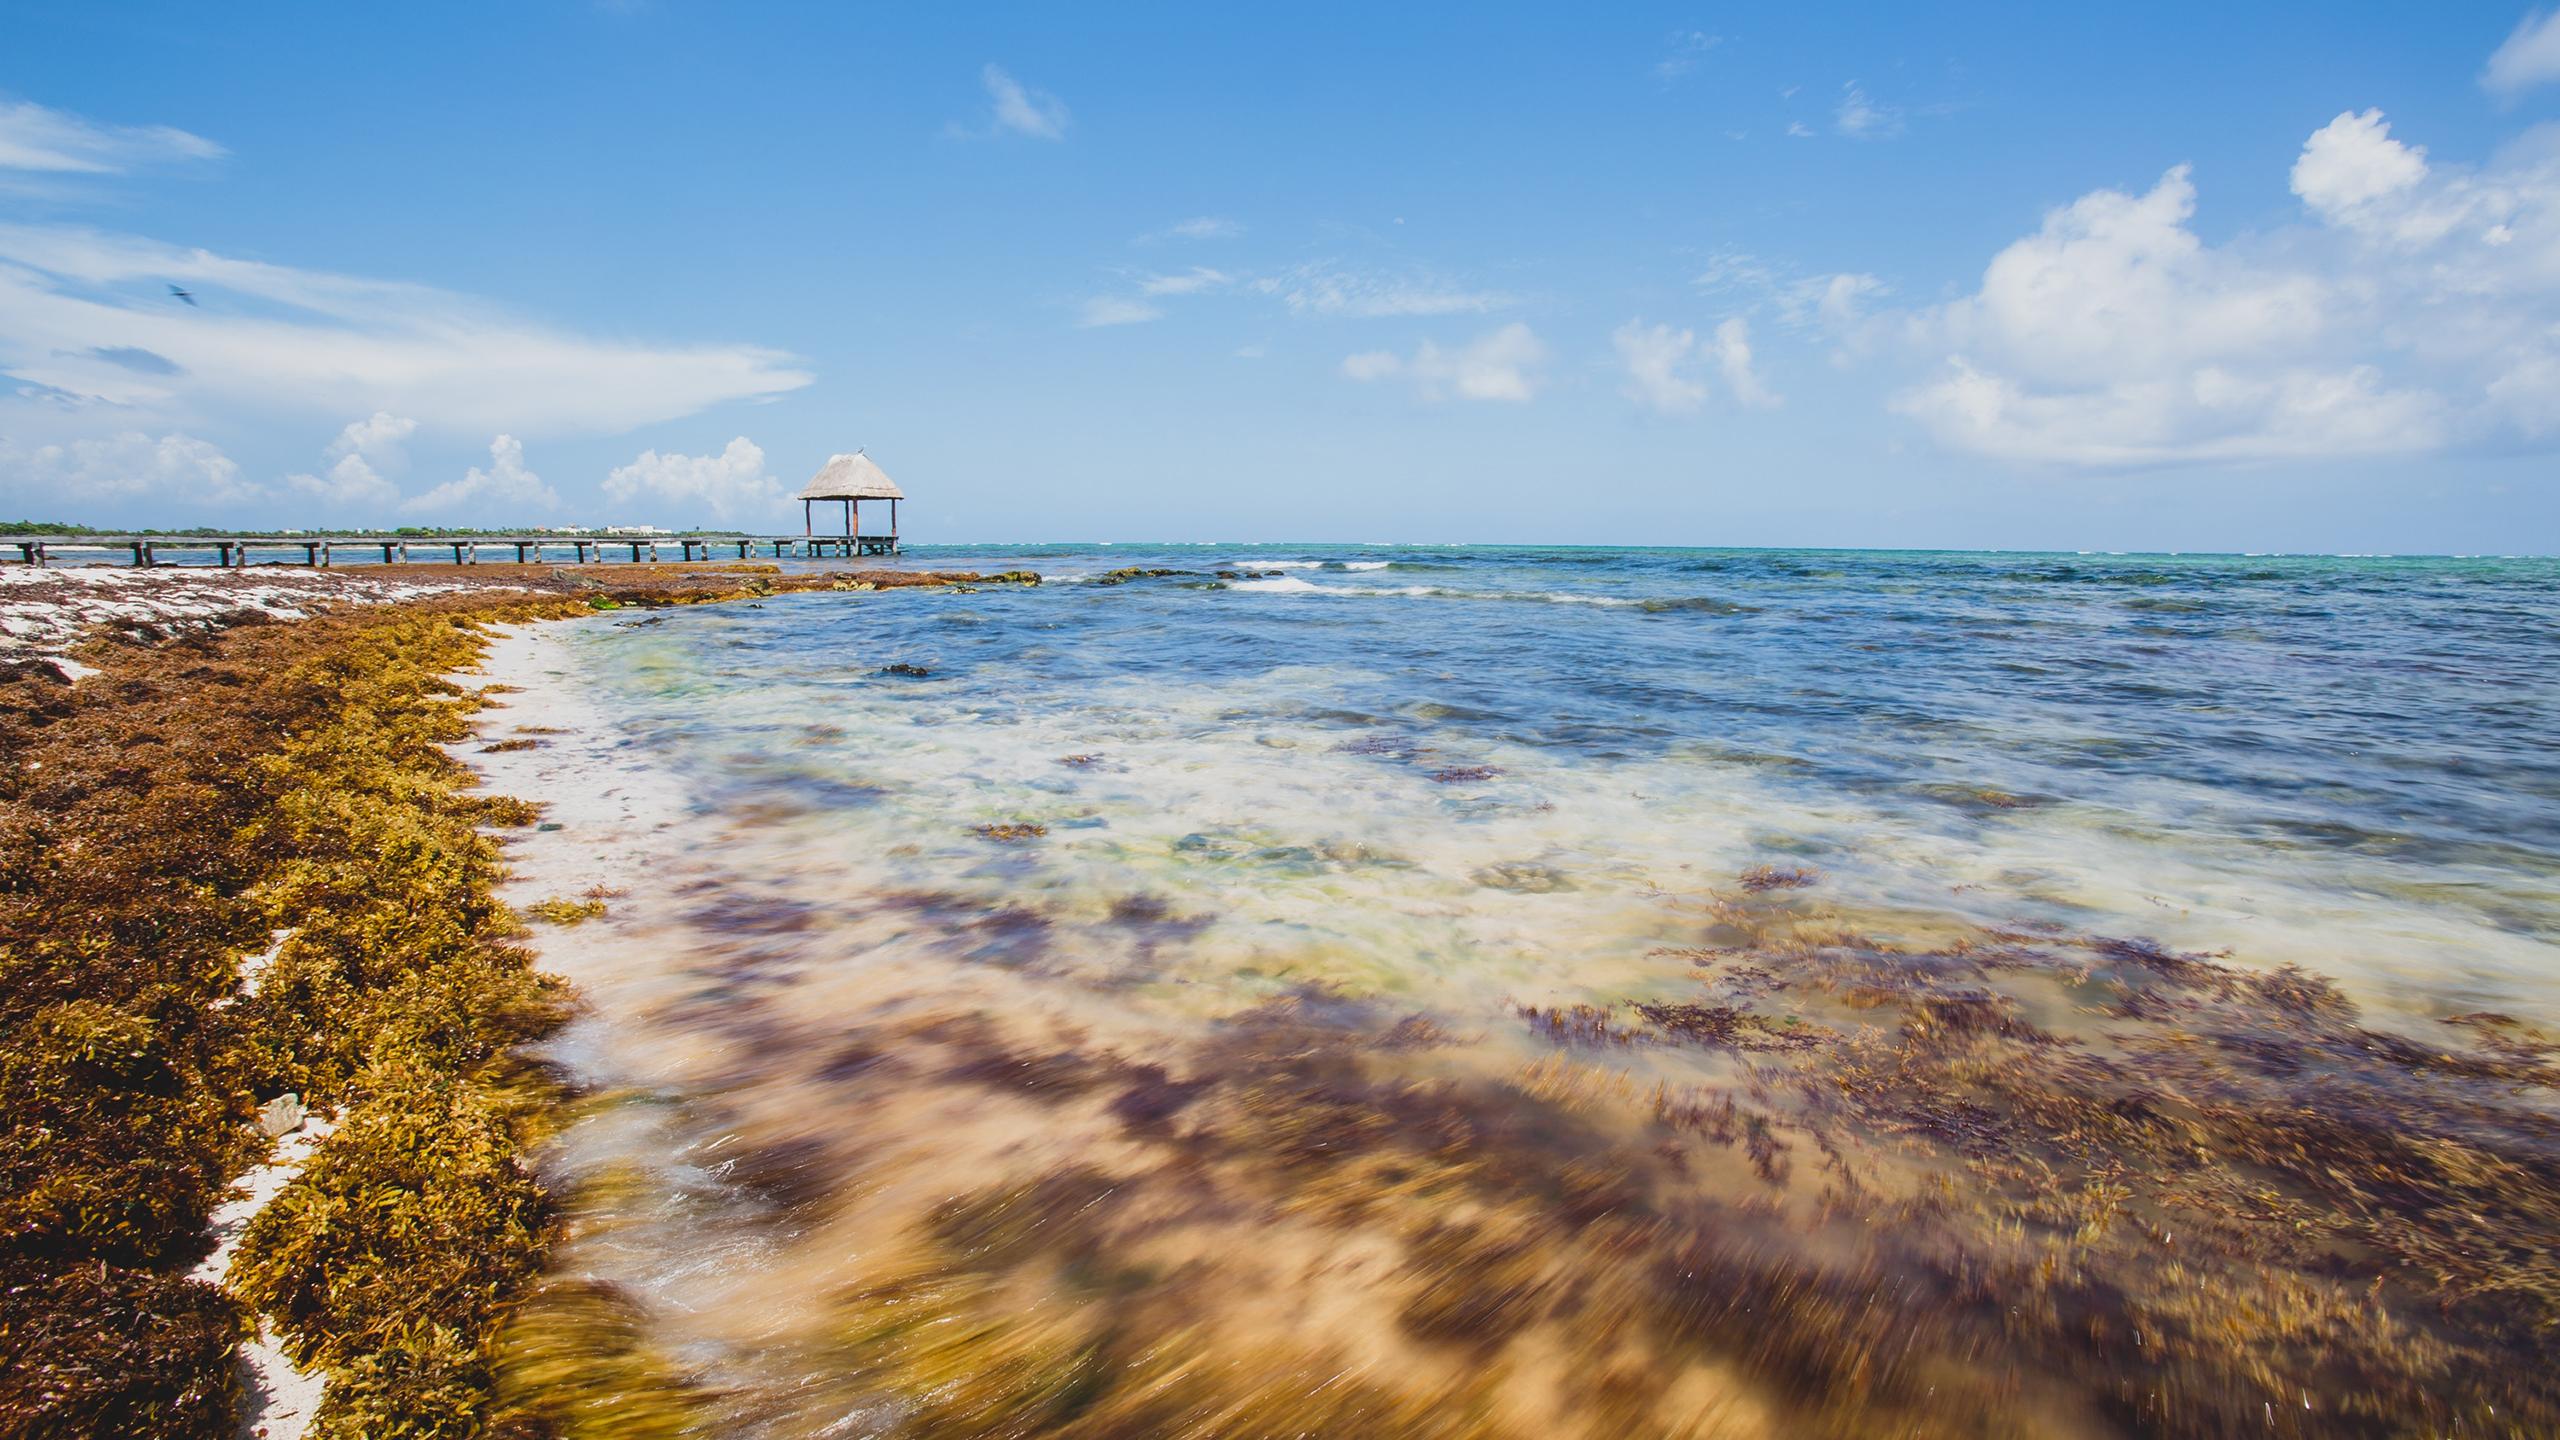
x=1104 y=310
x=1191 y=282
x=1658 y=363
x=1685 y=50
x=1832 y=302
x=2530 y=57
x=1329 y=290
x=1022 y=110
x=1861 y=118
x=34 y=138
x=272 y=338
x=1198 y=227
x=1733 y=358
x=1503 y=365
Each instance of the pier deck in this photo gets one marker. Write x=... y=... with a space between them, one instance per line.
x=318 y=551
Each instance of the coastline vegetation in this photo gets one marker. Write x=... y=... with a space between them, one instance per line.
x=159 y=821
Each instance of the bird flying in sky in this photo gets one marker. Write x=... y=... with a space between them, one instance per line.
x=187 y=296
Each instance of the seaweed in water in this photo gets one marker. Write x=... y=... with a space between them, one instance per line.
x=1761 y=878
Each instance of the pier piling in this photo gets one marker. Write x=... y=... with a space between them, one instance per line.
x=233 y=552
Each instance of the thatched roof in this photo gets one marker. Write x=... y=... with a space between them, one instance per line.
x=852 y=477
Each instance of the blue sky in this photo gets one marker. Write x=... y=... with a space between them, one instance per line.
x=2270 y=277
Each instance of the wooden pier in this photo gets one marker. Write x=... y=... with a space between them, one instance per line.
x=319 y=551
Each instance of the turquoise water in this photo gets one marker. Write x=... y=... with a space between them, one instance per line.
x=983 y=908
x=2348 y=762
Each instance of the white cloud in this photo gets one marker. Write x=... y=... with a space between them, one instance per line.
x=2351 y=166
x=731 y=483
x=351 y=483
x=1861 y=118
x=1115 y=310
x=35 y=138
x=1190 y=282
x=1839 y=301
x=506 y=483
x=2530 y=57
x=1198 y=227
x=1833 y=303
x=1501 y=365
x=1733 y=358
x=76 y=304
x=352 y=480
x=1035 y=113
x=378 y=436
x=173 y=467
x=1797 y=129
x=1653 y=357
x=1326 y=290
x=1686 y=49
x=2416 y=309
x=1657 y=360
x=1372 y=365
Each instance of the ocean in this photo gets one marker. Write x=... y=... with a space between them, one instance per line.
x=1482 y=990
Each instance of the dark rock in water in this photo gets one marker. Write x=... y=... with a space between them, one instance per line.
x=903 y=668
x=1464 y=774
x=1128 y=573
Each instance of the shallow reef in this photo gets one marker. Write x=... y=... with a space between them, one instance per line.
x=2006 y=1183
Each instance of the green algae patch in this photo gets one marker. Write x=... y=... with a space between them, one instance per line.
x=561 y=911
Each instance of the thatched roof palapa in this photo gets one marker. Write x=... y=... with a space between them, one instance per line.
x=852 y=477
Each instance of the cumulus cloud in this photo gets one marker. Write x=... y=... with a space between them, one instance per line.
x=2530 y=57
x=731 y=483
x=34 y=138
x=2415 y=309
x=1502 y=365
x=1654 y=357
x=1115 y=310
x=508 y=485
x=2352 y=164
x=76 y=305
x=129 y=465
x=351 y=480
x=1035 y=113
